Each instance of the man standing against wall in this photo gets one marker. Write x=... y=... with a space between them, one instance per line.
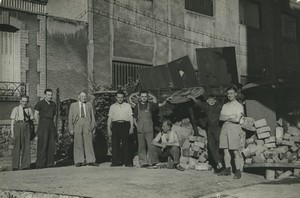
x=120 y=125
x=82 y=125
x=20 y=133
x=230 y=136
x=143 y=113
x=44 y=115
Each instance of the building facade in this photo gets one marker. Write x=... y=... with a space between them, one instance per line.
x=68 y=44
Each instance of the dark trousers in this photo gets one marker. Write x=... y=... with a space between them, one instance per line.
x=46 y=143
x=213 y=138
x=120 y=133
x=21 y=145
x=172 y=151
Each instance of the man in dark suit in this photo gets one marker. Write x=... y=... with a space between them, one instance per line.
x=82 y=125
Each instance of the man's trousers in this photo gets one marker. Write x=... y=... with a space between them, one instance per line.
x=21 y=145
x=172 y=151
x=144 y=138
x=46 y=143
x=120 y=133
x=83 y=142
x=213 y=137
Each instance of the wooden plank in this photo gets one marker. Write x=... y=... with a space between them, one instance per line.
x=272 y=165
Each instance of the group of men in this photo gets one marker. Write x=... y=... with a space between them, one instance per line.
x=120 y=123
x=21 y=117
x=81 y=124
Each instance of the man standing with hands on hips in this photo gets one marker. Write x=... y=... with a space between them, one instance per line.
x=82 y=125
x=120 y=125
x=44 y=115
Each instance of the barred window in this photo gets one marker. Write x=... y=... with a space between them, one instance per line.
x=289 y=27
x=124 y=72
x=200 y=6
x=250 y=13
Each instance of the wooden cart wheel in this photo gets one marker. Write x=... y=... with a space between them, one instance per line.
x=182 y=95
x=134 y=98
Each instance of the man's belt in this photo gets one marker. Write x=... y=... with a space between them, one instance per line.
x=22 y=121
x=120 y=121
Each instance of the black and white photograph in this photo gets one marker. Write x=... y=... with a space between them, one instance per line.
x=149 y=98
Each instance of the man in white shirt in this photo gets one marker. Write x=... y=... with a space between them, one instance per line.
x=82 y=125
x=20 y=133
x=120 y=125
x=230 y=136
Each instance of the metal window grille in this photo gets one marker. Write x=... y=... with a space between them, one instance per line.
x=200 y=6
x=125 y=72
x=250 y=13
x=289 y=27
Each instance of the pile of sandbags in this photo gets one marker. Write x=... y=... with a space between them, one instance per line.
x=264 y=148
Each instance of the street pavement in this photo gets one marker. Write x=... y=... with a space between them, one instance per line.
x=287 y=188
x=105 y=181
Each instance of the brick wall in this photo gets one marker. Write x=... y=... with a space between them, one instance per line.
x=67 y=57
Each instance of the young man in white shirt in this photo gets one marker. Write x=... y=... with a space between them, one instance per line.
x=230 y=136
x=120 y=125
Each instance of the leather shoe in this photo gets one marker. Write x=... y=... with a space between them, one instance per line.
x=144 y=165
x=128 y=165
x=178 y=167
x=14 y=169
x=79 y=164
x=93 y=164
x=225 y=172
x=115 y=165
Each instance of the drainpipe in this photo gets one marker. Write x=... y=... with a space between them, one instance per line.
x=90 y=47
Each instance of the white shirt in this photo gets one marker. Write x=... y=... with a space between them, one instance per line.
x=17 y=113
x=83 y=108
x=119 y=112
x=232 y=108
x=173 y=138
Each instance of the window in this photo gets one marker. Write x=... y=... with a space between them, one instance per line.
x=201 y=6
x=10 y=64
x=124 y=72
x=289 y=27
x=250 y=13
